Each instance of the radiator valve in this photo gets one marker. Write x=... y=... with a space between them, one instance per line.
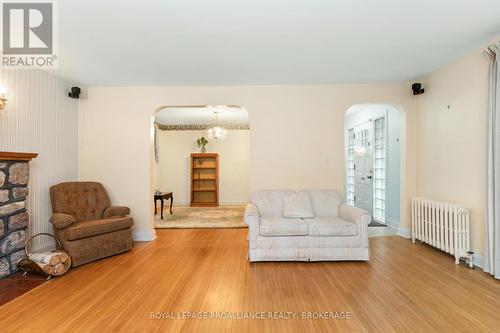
x=469 y=259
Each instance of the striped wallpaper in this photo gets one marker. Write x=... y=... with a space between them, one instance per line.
x=40 y=118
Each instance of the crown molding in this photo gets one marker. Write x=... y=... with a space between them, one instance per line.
x=201 y=127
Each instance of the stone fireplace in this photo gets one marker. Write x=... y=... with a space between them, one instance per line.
x=14 y=219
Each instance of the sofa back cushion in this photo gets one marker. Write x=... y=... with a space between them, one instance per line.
x=269 y=202
x=83 y=200
x=325 y=203
x=297 y=205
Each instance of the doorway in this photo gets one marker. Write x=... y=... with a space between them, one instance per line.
x=202 y=160
x=373 y=161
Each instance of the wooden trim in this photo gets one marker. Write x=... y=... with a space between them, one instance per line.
x=14 y=156
x=217 y=179
x=204 y=204
x=204 y=154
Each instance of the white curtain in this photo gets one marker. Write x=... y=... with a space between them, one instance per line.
x=492 y=235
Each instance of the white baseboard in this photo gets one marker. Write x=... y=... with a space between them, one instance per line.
x=404 y=232
x=144 y=236
x=478 y=260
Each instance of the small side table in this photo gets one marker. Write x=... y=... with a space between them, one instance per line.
x=164 y=196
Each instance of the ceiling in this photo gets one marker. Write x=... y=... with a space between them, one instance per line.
x=227 y=115
x=229 y=42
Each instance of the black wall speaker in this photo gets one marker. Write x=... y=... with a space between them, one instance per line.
x=75 y=92
x=417 y=89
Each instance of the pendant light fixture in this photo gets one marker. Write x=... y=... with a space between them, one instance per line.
x=216 y=132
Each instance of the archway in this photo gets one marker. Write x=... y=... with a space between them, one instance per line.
x=175 y=131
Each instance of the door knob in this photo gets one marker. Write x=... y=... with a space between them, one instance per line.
x=369 y=177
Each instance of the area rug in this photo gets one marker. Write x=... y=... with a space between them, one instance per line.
x=185 y=217
x=376 y=224
x=381 y=231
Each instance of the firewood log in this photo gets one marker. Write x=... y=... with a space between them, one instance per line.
x=56 y=260
x=45 y=258
x=64 y=257
x=59 y=268
x=47 y=268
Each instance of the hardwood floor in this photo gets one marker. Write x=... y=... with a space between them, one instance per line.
x=17 y=284
x=404 y=288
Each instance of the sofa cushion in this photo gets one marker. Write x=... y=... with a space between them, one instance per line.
x=96 y=227
x=325 y=202
x=283 y=227
x=269 y=202
x=331 y=227
x=297 y=205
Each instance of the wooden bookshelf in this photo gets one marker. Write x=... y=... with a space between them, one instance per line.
x=204 y=180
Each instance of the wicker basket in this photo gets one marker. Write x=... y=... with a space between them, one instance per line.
x=28 y=265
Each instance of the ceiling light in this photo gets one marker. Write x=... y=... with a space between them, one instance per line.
x=216 y=132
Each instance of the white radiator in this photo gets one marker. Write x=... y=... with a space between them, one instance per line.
x=442 y=225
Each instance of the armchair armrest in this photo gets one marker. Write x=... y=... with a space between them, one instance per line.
x=115 y=211
x=61 y=220
x=252 y=219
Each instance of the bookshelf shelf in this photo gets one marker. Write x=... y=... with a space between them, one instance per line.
x=204 y=180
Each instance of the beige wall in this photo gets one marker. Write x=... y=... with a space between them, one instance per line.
x=173 y=169
x=41 y=118
x=451 y=141
x=296 y=137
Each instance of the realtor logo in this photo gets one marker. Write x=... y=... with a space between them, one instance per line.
x=28 y=34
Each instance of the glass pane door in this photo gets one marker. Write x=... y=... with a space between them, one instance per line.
x=379 y=167
x=350 y=168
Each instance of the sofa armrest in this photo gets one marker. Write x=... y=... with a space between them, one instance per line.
x=353 y=214
x=61 y=220
x=115 y=211
x=251 y=210
x=252 y=219
x=356 y=215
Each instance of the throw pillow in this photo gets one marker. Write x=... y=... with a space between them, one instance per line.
x=297 y=205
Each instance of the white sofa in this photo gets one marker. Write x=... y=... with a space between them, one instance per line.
x=308 y=225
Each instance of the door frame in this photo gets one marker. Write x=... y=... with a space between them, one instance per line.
x=372 y=146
